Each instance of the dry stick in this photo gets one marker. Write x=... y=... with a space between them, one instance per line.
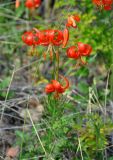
x=7 y=93
x=108 y=77
x=37 y=134
x=80 y=148
x=13 y=17
x=89 y=101
x=28 y=65
x=11 y=102
x=73 y=100
x=23 y=127
x=4 y=36
x=8 y=115
x=13 y=43
x=7 y=106
x=4 y=104
x=105 y=148
x=93 y=94
x=98 y=101
x=76 y=92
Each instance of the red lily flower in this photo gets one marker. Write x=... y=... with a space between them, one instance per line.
x=57 y=37
x=76 y=52
x=98 y=2
x=54 y=37
x=31 y=38
x=72 y=52
x=107 y=8
x=105 y=4
x=46 y=37
x=28 y=38
x=49 y=88
x=84 y=49
x=32 y=3
x=57 y=87
x=50 y=36
x=37 y=3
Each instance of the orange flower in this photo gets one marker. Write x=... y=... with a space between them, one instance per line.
x=66 y=37
x=17 y=3
x=57 y=87
x=71 y=21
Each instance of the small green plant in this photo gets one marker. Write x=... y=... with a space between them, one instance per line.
x=92 y=133
x=4 y=84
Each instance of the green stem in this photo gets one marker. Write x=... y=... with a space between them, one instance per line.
x=111 y=67
x=56 y=53
x=54 y=65
x=111 y=82
x=57 y=60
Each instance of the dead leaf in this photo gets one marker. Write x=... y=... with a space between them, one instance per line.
x=12 y=152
